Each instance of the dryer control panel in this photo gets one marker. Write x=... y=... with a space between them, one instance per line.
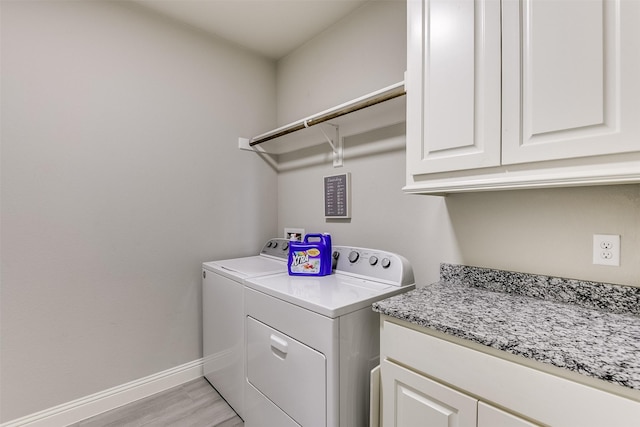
x=374 y=264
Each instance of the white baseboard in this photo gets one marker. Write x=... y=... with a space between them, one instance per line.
x=89 y=406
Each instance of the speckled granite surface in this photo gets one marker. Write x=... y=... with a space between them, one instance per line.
x=586 y=327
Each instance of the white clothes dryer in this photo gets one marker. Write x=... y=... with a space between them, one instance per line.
x=223 y=328
x=312 y=341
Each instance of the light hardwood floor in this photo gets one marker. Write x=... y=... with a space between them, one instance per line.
x=193 y=404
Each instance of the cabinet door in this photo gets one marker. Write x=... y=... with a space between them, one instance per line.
x=412 y=400
x=570 y=79
x=490 y=416
x=453 y=85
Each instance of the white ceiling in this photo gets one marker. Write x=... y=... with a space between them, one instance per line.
x=272 y=28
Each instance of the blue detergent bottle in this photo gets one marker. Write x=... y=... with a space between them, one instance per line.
x=311 y=257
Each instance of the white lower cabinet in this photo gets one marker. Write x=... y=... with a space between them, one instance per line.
x=490 y=416
x=413 y=400
x=428 y=381
x=417 y=401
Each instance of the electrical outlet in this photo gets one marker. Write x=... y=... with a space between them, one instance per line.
x=606 y=249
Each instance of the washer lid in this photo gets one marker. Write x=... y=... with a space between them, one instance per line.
x=252 y=266
x=331 y=296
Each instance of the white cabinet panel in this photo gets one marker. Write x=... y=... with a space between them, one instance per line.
x=453 y=85
x=563 y=65
x=489 y=416
x=415 y=401
x=449 y=71
x=570 y=79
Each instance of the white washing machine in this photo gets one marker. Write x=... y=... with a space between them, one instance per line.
x=312 y=341
x=223 y=329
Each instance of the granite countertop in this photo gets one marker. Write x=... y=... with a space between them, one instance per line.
x=586 y=327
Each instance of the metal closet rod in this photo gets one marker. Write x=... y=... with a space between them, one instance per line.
x=393 y=93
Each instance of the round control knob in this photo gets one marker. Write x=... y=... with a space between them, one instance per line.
x=269 y=243
x=336 y=254
x=386 y=262
x=353 y=256
x=275 y=245
x=373 y=260
x=285 y=246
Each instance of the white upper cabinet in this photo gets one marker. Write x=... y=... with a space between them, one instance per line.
x=453 y=76
x=568 y=87
x=522 y=94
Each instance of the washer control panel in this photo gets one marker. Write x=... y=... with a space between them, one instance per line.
x=373 y=264
x=276 y=247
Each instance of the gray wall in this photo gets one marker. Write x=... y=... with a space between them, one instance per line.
x=120 y=176
x=549 y=231
x=364 y=52
x=417 y=227
x=535 y=231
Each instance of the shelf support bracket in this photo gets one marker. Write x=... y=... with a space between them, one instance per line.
x=243 y=144
x=337 y=144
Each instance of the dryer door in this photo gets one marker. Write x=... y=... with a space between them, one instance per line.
x=289 y=373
